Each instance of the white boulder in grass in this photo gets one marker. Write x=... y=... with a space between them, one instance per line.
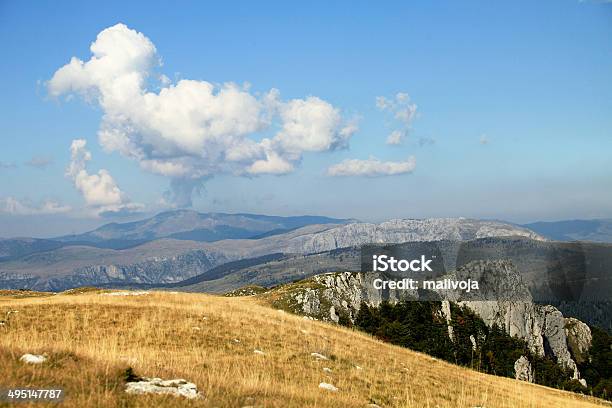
x=259 y=352
x=178 y=387
x=33 y=358
x=328 y=387
x=318 y=356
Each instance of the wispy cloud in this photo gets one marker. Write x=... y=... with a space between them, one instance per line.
x=13 y=206
x=40 y=162
x=371 y=167
x=426 y=141
x=7 y=165
x=403 y=110
x=484 y=140
x=395 y=137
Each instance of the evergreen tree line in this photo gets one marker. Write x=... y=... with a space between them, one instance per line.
x=421 y=326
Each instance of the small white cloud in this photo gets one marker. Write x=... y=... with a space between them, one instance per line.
x=13 y=206
x=401 y=107
x=484 y=140
x=403 y=111
x=311 y=125
x=406 y=114
x=100 y=191
x=402 y=97
x=372 y=167
x=383 y=103
x=395 y=137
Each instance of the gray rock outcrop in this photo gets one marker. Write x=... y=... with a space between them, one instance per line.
x=553 y=330
x=543 y=328
x=523 y=370
x=579 y=338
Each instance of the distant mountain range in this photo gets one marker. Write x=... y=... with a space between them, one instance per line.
x=193 y=226
x=169 y=260
x=213 y=252
x=574 y=230
x=184 y=225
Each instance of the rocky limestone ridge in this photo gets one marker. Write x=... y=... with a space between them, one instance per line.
x=405 y=230
x=336 y=296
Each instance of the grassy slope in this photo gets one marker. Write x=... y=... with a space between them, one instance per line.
x=92 y=338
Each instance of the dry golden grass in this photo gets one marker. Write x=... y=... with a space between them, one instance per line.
x=91 y=338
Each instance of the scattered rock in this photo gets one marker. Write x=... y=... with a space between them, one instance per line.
x=33 y=358
x=583 y=382
x=178 y=387
x=259 y=352
x=236 y=341
x=358 y=368
x=523 y=370
x=328 y=387
x=196 y=328
x=327 y=370
x=319 y=356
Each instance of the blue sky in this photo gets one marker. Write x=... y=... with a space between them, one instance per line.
x=513 y=121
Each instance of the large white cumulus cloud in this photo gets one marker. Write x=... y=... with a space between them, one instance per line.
x=192 y=130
